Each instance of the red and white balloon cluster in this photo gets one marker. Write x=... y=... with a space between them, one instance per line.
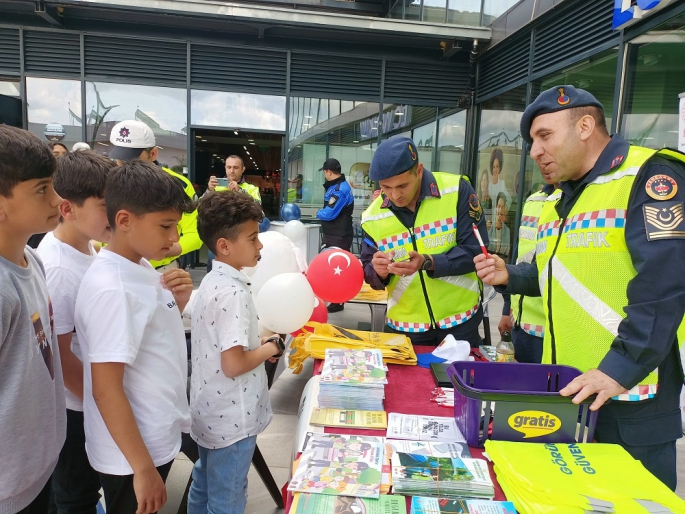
x=285 y=298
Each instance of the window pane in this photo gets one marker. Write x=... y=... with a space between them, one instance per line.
x=163 y=109
x=237 y=110
x=412 y=10
x=494 y=8
x=451 y=136
x=463 y=12
x=596 y=75
x=10 y=88
x=656 y=74
x=499 y=159
x=424 y=138
x=433 y=10
x=52 y=101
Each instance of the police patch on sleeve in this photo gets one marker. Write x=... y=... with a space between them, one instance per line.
x=475 y=208
x=332 y=200
x=664 y=220
x=661 y=187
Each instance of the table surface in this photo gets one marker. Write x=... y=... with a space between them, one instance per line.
x=409 y=392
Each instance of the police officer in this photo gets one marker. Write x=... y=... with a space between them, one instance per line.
x=235 y=167
x=336 y=214
x=523 y=316
x=133 y=139
x=419 y=243
x=609 y=260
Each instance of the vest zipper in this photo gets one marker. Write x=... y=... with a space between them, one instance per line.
x=549 y=292
x=423 y=284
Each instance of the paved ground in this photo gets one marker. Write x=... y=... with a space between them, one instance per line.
x=276 y=442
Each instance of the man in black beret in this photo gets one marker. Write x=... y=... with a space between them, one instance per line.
x=609 y=266
x=419 y=243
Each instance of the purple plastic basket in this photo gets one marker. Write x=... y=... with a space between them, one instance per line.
x=519 y=389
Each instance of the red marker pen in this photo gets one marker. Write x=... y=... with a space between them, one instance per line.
x=480 y=240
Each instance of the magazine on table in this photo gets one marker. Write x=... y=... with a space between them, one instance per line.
x=304 y=503
x=423 y=428
x=368 y=419
x=354 y=367
x=334 y=464
x=434 y=449
x=425 y=505
x=446 y=477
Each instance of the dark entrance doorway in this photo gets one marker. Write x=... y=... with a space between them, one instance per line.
x=262 y=153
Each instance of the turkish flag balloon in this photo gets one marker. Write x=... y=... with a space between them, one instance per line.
x=335 y=276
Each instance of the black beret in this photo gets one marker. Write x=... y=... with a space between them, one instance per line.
x=555 y=99
x=393 y=157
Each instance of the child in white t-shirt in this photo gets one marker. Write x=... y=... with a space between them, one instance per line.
x=229 y=397
x=67 y=254
x=128 y=318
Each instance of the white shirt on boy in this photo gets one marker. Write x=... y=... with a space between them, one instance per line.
x=123 y=314
x=64 y=270
x=225 y=410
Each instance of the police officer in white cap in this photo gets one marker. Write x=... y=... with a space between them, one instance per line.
x=133 y=139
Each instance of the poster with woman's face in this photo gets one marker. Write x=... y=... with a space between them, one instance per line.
x=496 y=188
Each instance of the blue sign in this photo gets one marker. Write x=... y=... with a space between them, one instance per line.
x=628 y=11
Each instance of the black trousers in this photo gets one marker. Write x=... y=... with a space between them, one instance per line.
x=40 y=503
x=120 y=498
x=527 y=348
x=75 y=484
x=467 y=331
x=342 y=242
x=649 y=429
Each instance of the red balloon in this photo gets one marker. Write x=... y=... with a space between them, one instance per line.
x=319 y=315
x=336 y=276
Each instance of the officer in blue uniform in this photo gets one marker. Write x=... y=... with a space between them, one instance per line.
x=391 y=160
x=336 y=213
x=647 y=337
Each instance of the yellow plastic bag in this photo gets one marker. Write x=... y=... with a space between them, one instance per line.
x=396 y=349
x=577 y=478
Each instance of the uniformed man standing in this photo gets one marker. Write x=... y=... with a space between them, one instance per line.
x=235 y=167
x=133 y=139
x=609 y=264
x=419 y=243
x=336 y=213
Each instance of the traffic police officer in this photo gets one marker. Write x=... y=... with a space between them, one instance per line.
x=235 y=167
x=419 y=243
x=336 y=213
x=609 y=260
x=133 y=139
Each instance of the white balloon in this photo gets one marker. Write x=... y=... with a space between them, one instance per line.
x=295 y=230
x=285 y=303
x=277 y=256
x=263 y=331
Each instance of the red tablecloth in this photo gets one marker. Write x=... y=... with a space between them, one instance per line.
x=408 y=392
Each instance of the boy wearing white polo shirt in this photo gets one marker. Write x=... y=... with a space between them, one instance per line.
x=67 y=254
x=128 y=318
x=229 y=396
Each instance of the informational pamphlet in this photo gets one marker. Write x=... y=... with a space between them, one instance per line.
x=304 y=503
x=425 y=505
x=423 y=428
x=437 y=449
x=370 y=419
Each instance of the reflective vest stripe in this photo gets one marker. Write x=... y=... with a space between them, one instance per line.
x=534 y=330
x=381 y=216
x=603 y=179
x=448 y=190
x=586 y=299
x=526 y=257
x=462 y=281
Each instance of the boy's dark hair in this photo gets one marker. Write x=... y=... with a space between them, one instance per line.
x=221 y=214
x=81 y=175
x=22 y=157
x=142 y=188
x=57 y=143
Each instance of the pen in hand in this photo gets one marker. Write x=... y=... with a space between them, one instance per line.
x=480 y=241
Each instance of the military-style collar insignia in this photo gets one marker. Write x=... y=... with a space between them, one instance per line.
x=616 y=161
x=434 y=189
x=661 y=187
x=563 y=98
x=664 y=220
x=386 y=201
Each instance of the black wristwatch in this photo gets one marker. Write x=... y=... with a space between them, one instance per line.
x=279 y=342
x=427 y=263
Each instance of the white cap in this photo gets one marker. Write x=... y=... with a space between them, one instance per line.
x=80 y=146
x=130 y=138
